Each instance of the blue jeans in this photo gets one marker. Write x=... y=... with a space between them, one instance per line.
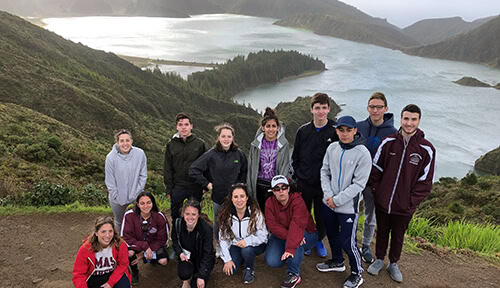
x=276 y=248
x=341 y=233
x=246 y=255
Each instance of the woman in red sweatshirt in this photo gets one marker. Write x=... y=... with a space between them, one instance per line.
x=102 y=260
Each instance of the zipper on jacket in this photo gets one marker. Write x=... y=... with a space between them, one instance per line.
x=340 y=168
x=397 y=176
x=239 y=223
x=93 y=265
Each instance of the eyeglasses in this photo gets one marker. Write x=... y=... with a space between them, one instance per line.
x=145 y=226
x=373 y=107
x=282 y=188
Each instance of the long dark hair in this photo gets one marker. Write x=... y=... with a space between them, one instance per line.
x=153 y=201
x=226 y=211
x=94 y=241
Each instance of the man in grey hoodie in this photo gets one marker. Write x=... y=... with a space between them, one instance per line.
x=125 y=174
x=376 y=127
x=345 y=171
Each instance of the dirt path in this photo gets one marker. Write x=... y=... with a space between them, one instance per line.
x=41 y=248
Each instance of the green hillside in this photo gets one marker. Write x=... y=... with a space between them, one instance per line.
x=474 y=199
x=490 y=162
x=83 y=95
x=343 y=27
x=481 y=45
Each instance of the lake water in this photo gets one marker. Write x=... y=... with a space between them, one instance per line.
x=462 y=122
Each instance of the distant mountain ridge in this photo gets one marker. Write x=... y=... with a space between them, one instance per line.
x=430 y=31
x=340 y=27
x=480 y=45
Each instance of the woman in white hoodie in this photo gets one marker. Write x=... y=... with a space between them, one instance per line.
x=243 y=233
x=125 y=174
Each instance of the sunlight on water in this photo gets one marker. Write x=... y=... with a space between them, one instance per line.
x=462 y=122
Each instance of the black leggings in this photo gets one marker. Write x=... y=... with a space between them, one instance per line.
x=96 y=281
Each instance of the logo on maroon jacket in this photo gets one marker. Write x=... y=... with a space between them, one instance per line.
x=415 y=158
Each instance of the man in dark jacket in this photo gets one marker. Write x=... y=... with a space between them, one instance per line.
x=402 y=174
x=375 y=128
x=309 y=149
x=181 y=151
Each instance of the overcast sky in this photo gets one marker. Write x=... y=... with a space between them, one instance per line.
x=403 y=13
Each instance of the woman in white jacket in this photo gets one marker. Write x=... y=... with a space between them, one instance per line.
x=243 y=233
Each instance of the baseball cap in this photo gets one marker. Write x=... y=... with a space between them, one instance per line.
x=346 y=121
x=279 y=179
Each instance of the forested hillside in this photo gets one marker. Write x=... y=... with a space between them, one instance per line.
x=50 y=86
x=241 y=72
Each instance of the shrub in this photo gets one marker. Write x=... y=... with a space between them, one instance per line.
x=469 y=179
x=456 y=208
x=54 y=142
x=92 y=195
x=47 y=194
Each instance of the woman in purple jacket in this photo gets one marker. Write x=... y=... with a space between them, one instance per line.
x=145 y=229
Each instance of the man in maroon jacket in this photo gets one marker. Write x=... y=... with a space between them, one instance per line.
x=402 y=174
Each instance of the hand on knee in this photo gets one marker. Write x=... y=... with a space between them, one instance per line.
x=163 y=261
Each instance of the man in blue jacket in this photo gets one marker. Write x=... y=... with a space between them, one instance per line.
x=376 y=127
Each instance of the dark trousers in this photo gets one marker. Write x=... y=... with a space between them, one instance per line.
x=341 y=232
x=396 y=226
x=96 y=281
x=313 y=194
x=263 y=193
x=186 y=270
x=179 y=194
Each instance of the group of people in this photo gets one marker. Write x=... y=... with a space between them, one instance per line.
x=263 y=204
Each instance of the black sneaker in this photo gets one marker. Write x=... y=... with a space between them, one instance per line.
x=353 y=281
x=291 y=280
x=248 y=276
x=366 y=255
x=135 y=277
x=329 y=266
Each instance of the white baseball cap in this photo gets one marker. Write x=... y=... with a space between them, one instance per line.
x=279 y=179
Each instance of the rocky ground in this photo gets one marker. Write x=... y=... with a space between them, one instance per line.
x=38 y=250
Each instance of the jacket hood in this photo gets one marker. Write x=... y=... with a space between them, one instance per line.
x=358 y=140
x=190 y=138
x=259 y=135
x=418 y=135
x=388 y=121
x=291 y=196
x=116 y=149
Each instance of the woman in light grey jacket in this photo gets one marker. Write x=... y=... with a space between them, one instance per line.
x=125 y=174
x=269 y=156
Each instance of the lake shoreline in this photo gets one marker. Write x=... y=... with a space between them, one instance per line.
x=143 y=62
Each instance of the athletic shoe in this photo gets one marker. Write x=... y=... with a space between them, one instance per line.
x=307 y=252
x=375 y=267
x=366 y=255
x=135 y=277
x=353 y=281
x=395 y=273
x=291 y=280
x=320 y=249
x=248 y=276
x=329 y=266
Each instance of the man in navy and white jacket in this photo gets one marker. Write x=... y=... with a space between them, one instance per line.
x=402 y=174
x=345 y=171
